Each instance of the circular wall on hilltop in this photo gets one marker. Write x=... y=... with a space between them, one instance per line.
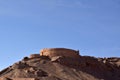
x=52 y=52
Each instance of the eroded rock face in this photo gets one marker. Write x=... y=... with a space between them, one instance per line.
x=20 y=65
x=41 y=73
x=52 y=52
x=5 y=78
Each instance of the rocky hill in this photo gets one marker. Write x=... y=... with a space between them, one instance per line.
x=62 y=64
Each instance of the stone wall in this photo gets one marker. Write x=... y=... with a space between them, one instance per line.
x=52 y=52
x=34 y=55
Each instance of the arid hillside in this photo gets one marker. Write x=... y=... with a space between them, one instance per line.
x=63 y=67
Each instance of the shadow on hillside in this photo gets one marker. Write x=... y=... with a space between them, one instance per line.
x=94 y=67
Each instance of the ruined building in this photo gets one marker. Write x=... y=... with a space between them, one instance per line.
x=52 y=52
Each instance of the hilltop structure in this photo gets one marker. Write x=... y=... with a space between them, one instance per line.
x=54 y=52
x=64 y=52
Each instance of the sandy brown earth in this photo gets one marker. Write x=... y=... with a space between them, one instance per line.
x=63 y=68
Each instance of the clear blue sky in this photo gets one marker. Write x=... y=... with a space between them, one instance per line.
x=26 y=26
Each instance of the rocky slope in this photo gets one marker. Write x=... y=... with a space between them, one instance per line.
x=63 y=68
